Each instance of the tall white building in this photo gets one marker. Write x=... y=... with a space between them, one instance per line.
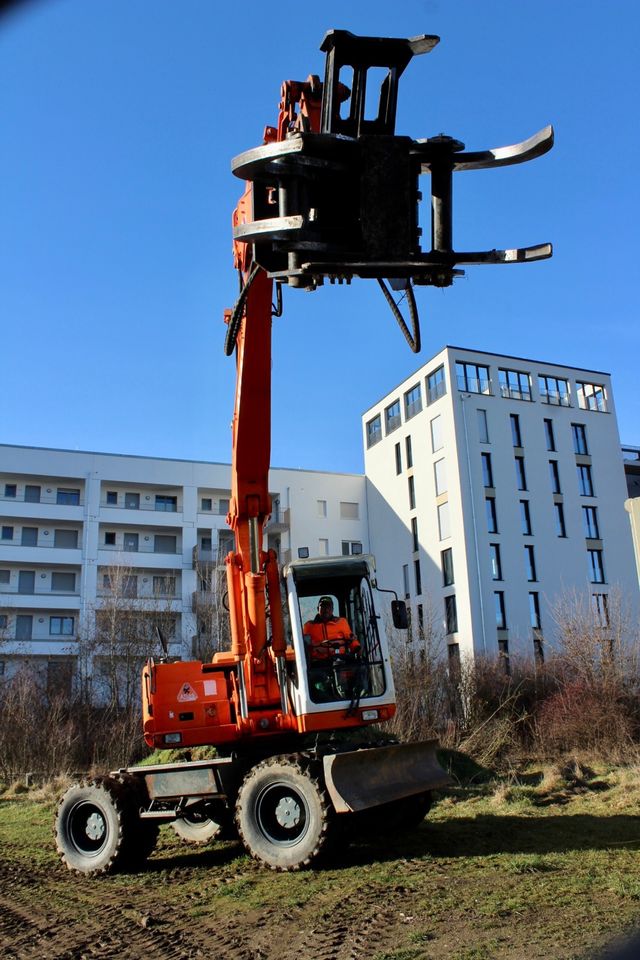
x=494 y=485
x=67 y=519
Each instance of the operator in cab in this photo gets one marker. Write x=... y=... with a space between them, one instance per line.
x=329 y=636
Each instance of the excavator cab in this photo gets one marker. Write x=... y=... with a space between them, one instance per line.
x=342 y=664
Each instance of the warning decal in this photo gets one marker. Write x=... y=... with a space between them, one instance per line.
x=186 y=693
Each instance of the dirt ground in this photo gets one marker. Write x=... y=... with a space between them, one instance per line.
x=476 y=881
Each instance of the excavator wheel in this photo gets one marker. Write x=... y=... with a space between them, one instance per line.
x=94 y=827
x=283 y=814
x=141 y=835
x=201 y=825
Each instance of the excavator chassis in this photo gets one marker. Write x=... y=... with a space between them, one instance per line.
x=286 y=808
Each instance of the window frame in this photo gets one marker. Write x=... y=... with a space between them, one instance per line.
x=392 y=418
x=515 y=384
x=373 y=429
x=412 y=407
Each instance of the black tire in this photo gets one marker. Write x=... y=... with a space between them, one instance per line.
x=93 y=826
x=283 y=814
x=141 y=835
x=199 y=826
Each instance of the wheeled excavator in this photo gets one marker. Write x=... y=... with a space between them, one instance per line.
x=331 y=194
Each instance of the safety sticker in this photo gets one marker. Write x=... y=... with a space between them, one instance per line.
x=210 y=688
x=187 y=693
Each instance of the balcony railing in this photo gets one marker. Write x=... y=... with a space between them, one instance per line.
x=45 y=498
x=514 y=393
x=12 y=592
x=473 y=385
x=143 y=505
x=40 y=544
x=140 y=548
x=555 y=398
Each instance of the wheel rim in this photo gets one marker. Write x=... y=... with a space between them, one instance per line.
x=87 y=828
x=282 y=814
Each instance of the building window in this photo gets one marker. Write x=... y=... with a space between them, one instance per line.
x=496 y=562
x=206 y=544
x=600 y=607
x=322 y=509
x=32 y=493
x=7 y=533
x=68 y=495
x=61 y=626
x=405 y=580
x=132 y=501
x=420 y=609
x=10 y=490
x=521 y=477
x=351 y=547
x=323 y=547
x=4 y=621
x=206 y=504
x=446 y=561
x=29 y=537
x=166 y=504
x=164 y=543
x=492 y=517
x=483 y=426
x=591 y=396
x=374 y=431
x=412 y=492
x=436 y=385
x=534 y=611
x=63 y=582
x=111 y=499
x=24 y=626
x=437 y=442
x=553 y=390
x=579 y=434
x=349 y=510
x=487 y=472
x=450 y=614
x=596 y=566
x=2 y=665
x=418 y=577
x=590 y=523
x=516 y=435
x=530 y=563
x=515 y=385
x=409 y=453
x=561 y=530
x=223 y=506
x=554 y=476
x=414 y=533
x=131 y=542
x=164 y=586
x=398 y=452
x=501 y=615
x=525 y=518
x=549 y=436
x=392 y=419
x=110 y=539
x=444 y=529
x=472 y=378
x=67 y=539
x=585 y=481
x=5 y=576
x=129 y=586
x=412 y=402
x=440 y=473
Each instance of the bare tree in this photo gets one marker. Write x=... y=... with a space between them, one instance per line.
x=213 y=633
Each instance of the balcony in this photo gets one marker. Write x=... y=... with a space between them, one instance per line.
x=555 y=398
x=204 y=600
x=279 y=522
x=39 y=599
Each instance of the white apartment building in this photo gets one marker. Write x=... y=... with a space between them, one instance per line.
x=494 y=485
x=67 y=519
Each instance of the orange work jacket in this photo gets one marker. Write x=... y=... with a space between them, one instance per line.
x=338 y=629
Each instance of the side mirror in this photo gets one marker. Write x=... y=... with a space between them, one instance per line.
x=399 y=614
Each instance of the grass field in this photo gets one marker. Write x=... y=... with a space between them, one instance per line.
x=539 y=865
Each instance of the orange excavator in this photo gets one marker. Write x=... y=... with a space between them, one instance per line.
x=331 y=194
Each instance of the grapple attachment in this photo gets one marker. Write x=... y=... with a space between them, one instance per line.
x=336 y=195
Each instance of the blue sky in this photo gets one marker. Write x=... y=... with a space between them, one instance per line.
x=118 y=120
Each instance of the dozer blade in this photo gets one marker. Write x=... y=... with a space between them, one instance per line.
x=367 y=778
